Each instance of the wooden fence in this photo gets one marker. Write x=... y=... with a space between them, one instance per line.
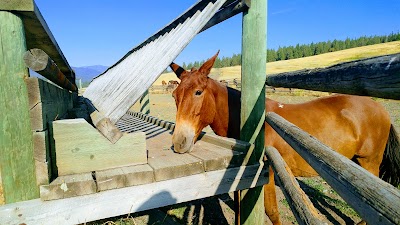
x=376 y=201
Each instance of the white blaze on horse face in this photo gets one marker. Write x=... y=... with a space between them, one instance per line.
x=183 y=137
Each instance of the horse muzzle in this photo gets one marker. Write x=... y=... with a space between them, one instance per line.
x=183 y=138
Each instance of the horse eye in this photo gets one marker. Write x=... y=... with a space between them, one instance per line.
x=198 y=92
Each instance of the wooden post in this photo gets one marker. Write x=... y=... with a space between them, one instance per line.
x=145 y=103
x=253 y=103
x=17 y=166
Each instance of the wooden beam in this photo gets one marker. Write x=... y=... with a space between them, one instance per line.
x=16 y=143
x=103 y=124
x=377 y=77
x=47 y=102
x=253 y=103
x=17 y=5
x=38 y=34
x=81 y=148
x=301 y=206
x=376 y=201
x=121 y=201
x=40 y=62
x=227 y=12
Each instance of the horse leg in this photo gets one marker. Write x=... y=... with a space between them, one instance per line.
x=270 y=202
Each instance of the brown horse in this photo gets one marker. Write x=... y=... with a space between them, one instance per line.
x=357 y=127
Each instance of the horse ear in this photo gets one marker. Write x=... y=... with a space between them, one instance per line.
x=206 y=67
x=179 y=71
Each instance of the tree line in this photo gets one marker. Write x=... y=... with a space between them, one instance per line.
x=304 y=50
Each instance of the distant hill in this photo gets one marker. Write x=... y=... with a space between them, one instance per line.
x=87 y=73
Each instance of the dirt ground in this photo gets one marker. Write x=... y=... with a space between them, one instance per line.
x=219 y=209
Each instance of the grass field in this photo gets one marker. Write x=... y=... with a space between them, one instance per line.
x=218 y=210
x=318 y=61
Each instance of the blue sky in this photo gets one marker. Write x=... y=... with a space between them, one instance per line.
x=100 y=32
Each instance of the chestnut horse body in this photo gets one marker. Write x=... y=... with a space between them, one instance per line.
x=356 y=127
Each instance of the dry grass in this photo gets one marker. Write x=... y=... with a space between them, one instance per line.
x=318 y=61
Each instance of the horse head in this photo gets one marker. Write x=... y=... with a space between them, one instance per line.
x=195 y=104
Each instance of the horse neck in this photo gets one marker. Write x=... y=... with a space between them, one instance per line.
x=227 y=118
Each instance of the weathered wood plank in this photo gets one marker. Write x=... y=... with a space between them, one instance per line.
x=253 y=103
x=301 y=206
x=16 y=145
x=41 y=152
x=68 y=186
x=124 y=177
x=377 y=77
x=47 y=103
x=376 y=201
x=103 y=124
x=17 y=5
x=216 y=157
x=132 y=199
x=81 y=148
x=37 y=60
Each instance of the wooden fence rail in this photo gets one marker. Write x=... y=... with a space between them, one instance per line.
x=376 y=201
x=301 y=206
x=376 y=77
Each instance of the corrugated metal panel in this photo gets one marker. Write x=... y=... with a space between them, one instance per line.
x=121 y=86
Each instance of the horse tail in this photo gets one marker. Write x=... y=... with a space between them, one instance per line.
x=390 y=166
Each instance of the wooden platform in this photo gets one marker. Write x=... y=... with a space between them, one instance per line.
x=210 y=153
x=213 y=167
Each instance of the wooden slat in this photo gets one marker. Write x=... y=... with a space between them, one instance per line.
x=215 y=157
x=68 y=186
x=81 y=148
x=47 y=102
x=301 y=206
x=115 y=202
x=376 y=201
x=167 y=164
x=377 y=77
x=124 y=177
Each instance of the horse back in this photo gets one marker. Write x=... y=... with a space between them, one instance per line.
x=355 y=126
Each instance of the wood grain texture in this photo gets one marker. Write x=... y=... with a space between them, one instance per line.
x=16 y=144
x=376 y=201
x=121 y=201
x=81 y=148
x=253 y=103
x=301 y=206
x=17 y=5
x=40 y=62
x=47 y=103
x=124 y=177
x=41 y=152
x=377 y=77
x=68 y=186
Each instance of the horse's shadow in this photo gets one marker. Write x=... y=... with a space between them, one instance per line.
x=204 y=211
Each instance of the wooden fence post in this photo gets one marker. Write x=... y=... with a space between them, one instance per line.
x=145 y=103
x=253 y=103
x=17 y=166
